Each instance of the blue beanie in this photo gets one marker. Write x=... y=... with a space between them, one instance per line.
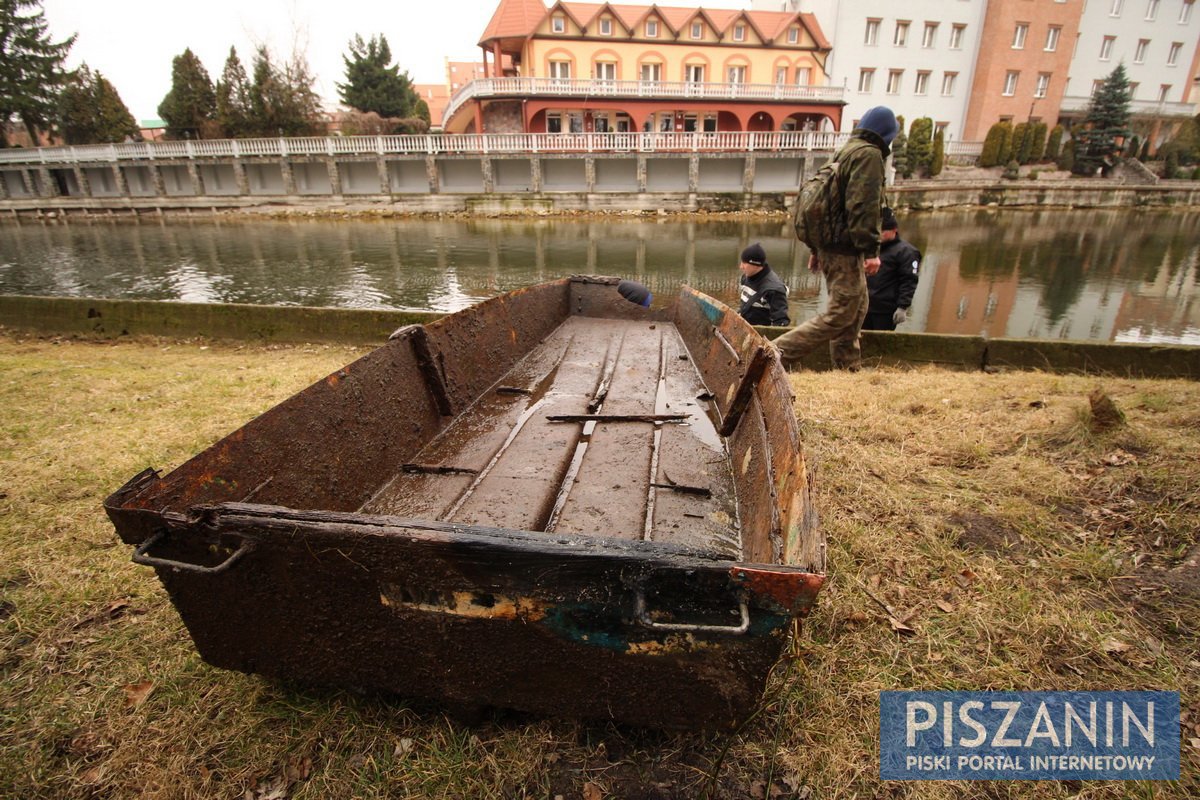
x=880 y=120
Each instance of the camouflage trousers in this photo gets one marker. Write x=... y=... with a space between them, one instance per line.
x=841 y=321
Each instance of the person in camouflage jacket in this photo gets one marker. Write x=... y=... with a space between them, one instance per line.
x=855 y=254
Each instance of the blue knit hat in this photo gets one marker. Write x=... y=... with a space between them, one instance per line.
x=880 y=120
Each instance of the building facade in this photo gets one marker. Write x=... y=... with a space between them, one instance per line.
x=584 y=68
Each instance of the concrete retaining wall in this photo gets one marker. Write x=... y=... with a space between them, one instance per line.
x=116 y=318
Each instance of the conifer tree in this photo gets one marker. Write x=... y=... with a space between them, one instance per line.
x=191 y=103
x=374 y=83
x=1107 y=121
x=920 y=145
x=282 y=99
x=900 y=151
x=92 y=112
x=233 y=99
x=938 y=159
x=31 y=67
x=1054 y=144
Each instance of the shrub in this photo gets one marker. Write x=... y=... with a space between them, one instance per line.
x=1066 y=160
x=1054 y=144
x=1171 y=164
x=998 y=139
x=1020 y=139
x=900 y=155
x=920 y=145
x=939 y=155
x=1037 y=147
x=1012 y=170
x=1196 y=174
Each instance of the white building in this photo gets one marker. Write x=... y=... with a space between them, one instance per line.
x=1156 y=40
x=916 y=57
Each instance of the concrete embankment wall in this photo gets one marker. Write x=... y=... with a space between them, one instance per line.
x=1083 y=193
x=117 y=318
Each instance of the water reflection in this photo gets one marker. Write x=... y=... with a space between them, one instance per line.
x=1124 y=275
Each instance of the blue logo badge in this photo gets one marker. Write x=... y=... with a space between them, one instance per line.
x=1029 y=735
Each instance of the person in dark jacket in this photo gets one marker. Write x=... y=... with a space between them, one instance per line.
x=635 y=293
x=892 y=288
x=763 y=295
x=847 y=263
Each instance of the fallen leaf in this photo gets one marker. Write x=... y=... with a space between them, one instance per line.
x=900 y=627
x=758 y=790
x=1112 y=646
x=1119 y=458
x=1194 y=742
x=945 y=605
x=857 y=617
x=136 y=693
x=403 y=747
x=936 y=657
x=592 y=792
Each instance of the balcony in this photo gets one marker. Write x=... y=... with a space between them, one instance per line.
x=1137 y=108
x=488 y=88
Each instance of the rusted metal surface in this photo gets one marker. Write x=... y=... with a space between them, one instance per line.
x=574 y=538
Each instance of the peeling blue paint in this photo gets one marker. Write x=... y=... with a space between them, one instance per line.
x=713 y=313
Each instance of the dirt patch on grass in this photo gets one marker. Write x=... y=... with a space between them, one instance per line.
x=984 y=534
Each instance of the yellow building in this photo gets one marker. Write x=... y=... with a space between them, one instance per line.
x=599 y=67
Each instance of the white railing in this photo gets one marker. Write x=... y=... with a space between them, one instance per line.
x=1139 y=108
x=456 y=144
x=651 y=90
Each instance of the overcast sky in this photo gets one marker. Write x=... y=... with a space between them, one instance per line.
x=132 y=44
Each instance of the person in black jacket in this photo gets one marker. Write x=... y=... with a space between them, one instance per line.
x=891 y=289
x=763 y=294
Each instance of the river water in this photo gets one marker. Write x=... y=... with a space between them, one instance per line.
x=1108 y=275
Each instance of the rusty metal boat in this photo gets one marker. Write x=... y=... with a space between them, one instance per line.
x=555 y=501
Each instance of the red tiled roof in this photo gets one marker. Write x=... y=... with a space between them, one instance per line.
x=514 y=19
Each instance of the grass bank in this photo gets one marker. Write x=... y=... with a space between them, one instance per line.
x=1016 y=548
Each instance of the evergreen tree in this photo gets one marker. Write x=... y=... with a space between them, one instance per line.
x=993 y=143
x=1037 y=142
x=1006 y=143
x=282 y=100
x=92 y=112
x=374 y=84
x=192 y=102
x=900 y=152
x=1054 y=144
x=1066 y=160
x=1019 y=138
x=233 y=99
x=938 y=160
x=920 y=145
x=31 y=67
x=1107 y=120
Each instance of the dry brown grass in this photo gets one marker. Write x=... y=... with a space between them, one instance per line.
x=1025 y=551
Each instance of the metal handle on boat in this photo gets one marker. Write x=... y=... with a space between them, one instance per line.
x=140 y=557
x=644 y=618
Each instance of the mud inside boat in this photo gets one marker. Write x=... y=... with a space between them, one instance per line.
x=555 y=501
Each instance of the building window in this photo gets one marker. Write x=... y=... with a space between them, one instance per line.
x=1173 y=53
x=600 y=123
x=793 y=35
x=606 y=71
x=694 y=73
x=606 y=27
x=894 y=78
x=652 y=29
x=1096 y=86
x=1185 y=13
x=1052 y=34
x=872 y=36
x=560 y=69
x=1106 y=48
x=780 y=76
x=900 y=38
x=865 y=78
x=1139 y=54
x=739 y=33
x=1043 y=84
x=1133 y=87
x=651 y=72
x=1019 y=34
x=929 y=38
x=1163 y=91
x=1115 y=10
x=558 y=24
x=1151 y=10
x=956 y=36
x=922 y=85
x=1010 y=82
x=803 y=76
x=948 y=80
x=735 y=75
x=553 y=123
x=697 y=30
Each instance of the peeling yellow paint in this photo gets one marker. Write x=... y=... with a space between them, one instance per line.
x=675 y=643
x=467 y=604
x=746 y=460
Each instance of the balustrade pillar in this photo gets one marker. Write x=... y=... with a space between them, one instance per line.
x=29 y=183
x=120 y=180
x=335 y=176
x=239 y=177
x=748 y=174
x=160 y=186
x=197 y=178
x=589 y=174
x=385 y=180
x=288 y=175
x=4 y=193
x=641 y=172
x=489 y=180
x=535 y=174
x=85 y=186
x=431 y=173
x=693 y=173
x=49 y=186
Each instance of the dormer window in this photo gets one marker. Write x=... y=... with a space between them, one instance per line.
x=793 y=35
x=651 y=29
x=739 y=33
x=558 y=24
x=605 y=27
x=697 y=30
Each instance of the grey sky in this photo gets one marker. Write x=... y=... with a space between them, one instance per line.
x=132 y=44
